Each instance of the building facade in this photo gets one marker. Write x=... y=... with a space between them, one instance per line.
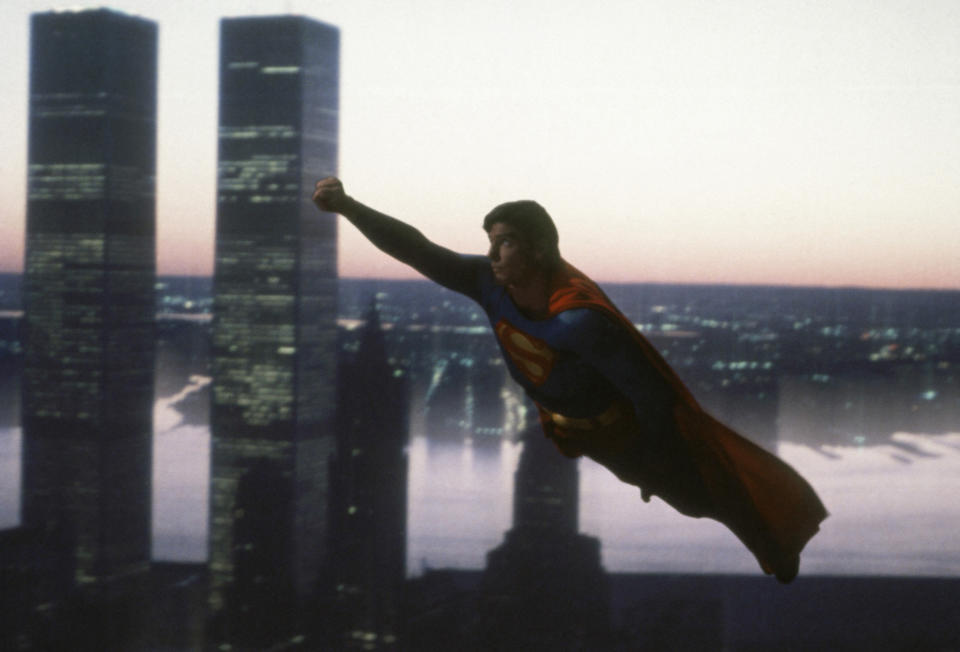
x=87 y=399
x=274 y=328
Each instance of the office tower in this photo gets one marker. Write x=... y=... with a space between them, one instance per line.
x=89 y=298
x=544 y=587
x=274 y=328
x=370 y=496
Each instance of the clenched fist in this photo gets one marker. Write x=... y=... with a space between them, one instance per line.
x=329 y=195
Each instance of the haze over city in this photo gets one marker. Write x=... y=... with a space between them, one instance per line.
x=743 y=142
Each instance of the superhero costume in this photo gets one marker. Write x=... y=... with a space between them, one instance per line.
x=603 y=391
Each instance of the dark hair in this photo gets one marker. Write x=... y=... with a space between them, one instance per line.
x=532 y=221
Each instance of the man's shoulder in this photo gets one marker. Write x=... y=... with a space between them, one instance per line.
x=491 y=296
x=572 y=289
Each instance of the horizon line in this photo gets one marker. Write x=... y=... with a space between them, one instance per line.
x=790 y=286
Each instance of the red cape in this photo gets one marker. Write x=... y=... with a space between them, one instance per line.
x=764 y=501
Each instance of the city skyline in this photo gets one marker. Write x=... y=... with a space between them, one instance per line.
x=889 y=495
x=851 y=432
x=751 y=144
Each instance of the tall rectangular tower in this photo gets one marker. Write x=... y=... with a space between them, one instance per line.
x=89 y=288
x=274 y=329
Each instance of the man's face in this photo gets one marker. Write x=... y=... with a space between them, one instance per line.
x=511 y=259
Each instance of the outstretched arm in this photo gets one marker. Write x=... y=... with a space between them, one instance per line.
x=400 y=240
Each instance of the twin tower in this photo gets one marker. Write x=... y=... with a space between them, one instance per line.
x=89 y=295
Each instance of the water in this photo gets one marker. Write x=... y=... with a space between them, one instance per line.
x=893 y=506
x=891 y=513
x=181 y=473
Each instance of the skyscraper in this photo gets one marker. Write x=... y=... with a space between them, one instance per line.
x=544 y=587
x=274 y=329
x=89 y=289
x=370 y=506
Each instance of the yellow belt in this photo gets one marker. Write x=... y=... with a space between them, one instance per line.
x=609 y=416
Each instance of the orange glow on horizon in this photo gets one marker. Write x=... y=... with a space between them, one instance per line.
x=182 y=255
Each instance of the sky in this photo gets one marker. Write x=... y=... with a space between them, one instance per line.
x=751 y=141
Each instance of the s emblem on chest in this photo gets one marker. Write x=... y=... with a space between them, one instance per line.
x=531 y=355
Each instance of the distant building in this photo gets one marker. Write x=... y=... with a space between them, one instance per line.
x=449 y=414
x=866 y=404
x=11 y=368
x=488 y=408
x=87 y=399
x=544 y=587
x=369 y=519
x=274 y=329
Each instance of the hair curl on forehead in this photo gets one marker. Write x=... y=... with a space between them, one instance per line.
x=531 y=220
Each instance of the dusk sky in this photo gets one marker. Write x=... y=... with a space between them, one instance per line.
x=749 y=141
